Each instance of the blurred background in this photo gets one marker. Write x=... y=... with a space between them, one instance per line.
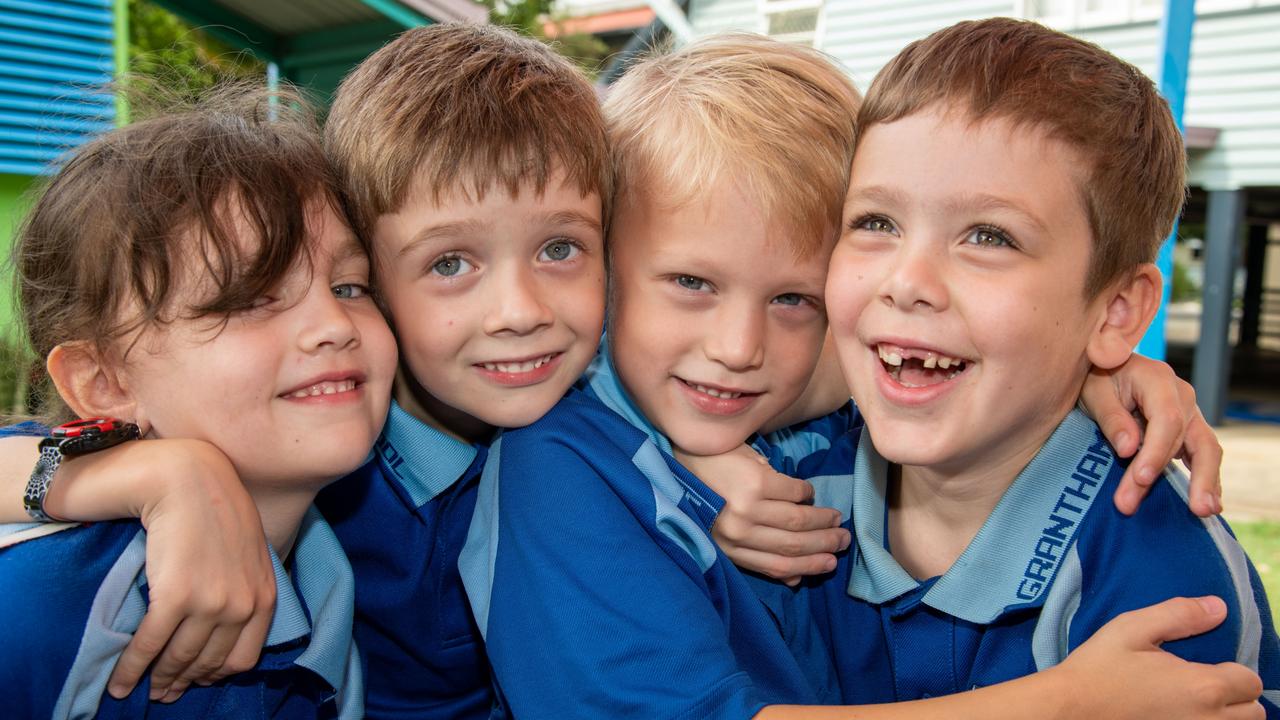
x=1217 y=61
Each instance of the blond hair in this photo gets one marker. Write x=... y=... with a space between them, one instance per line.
x=776 y=118
x=463 y=107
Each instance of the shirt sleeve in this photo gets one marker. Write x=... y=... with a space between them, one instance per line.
x=592 y=611
x=1162 y=552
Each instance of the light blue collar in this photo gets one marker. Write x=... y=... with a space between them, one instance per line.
x=425 y=459
x=327 y=588
x=602 y=378
x=1013 y=559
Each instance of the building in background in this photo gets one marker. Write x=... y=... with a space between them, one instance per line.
x=1231 y=227
x=58 y=57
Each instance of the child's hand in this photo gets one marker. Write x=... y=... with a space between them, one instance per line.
x=1174 y=428
x=768 y=525
x=211 y=582
x=1121 y=672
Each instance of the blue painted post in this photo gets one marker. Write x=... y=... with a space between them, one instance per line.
x=1171 y=78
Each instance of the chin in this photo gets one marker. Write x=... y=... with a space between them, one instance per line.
x=703 y=442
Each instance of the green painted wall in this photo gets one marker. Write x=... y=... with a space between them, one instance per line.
x=13 y=206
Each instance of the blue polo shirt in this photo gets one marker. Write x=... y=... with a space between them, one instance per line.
x=402 y=519
x=70 y=602
x=1052 y=564
x=594 y=578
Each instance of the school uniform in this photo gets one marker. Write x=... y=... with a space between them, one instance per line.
x=402 y=519
x=1052 y=564
x=598 y=588
x=70 y=601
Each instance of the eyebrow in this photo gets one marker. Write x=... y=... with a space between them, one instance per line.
x=573 y=217
x=973 y=202
x=443 y=231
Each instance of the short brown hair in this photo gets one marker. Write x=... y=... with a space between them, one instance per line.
x=776 y=117
x=1102 y=107
x=463 y=107
x=104 y=249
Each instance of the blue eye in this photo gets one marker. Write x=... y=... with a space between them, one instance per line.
x=559 y=251
x=350 y=291
x=690 y=282
x=451 y=266
x=790 y=299
x=987 y=236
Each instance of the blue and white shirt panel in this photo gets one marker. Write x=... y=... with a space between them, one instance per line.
x=1052 y=564
x=595 y=580
x=71 y=601
x=402 y=519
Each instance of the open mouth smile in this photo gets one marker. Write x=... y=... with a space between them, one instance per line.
x=919 y=367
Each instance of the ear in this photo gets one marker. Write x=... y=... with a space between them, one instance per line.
x=1126 y=309
x=90 y=384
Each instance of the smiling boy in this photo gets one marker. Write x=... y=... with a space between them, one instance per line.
x=590 y=563
x=1001 y=222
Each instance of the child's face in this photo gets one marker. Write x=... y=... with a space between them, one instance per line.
x=956 y=290
x=716 y=326
x=497 y=303
x=295 y=389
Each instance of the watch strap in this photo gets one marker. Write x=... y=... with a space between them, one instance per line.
x=41 y=476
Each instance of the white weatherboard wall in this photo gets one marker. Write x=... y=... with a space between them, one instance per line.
x=1234 y=82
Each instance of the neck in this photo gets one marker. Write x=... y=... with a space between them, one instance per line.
x=281 y=510
x=935 y=511
x=425 y=407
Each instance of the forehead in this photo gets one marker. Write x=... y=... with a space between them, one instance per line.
x=952 y=158
x=462 y=210
x=723 y=232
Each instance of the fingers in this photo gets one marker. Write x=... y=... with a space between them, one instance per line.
x=152 y=636
x=1238 y=685
x=776 y=486
x=797 y=544
x=249 y=646
x=1170 y=620
x=1203 y=455
x=188 y=641
x=786 y=569
x=207 y=667
x=1117 y=424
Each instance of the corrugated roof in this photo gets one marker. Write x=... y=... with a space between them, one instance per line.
x=299 y=16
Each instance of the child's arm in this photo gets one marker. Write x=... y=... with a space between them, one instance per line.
x=1174 y=427
x=1120 y=673
x=212 y=586
x=769 y=524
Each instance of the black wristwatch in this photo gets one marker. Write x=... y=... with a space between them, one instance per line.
x=74 y=438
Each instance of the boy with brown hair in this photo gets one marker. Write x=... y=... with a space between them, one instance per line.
x=474 y=165
x=590 y=562
x=1010 y=189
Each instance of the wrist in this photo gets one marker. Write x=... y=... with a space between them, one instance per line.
x=182 y=472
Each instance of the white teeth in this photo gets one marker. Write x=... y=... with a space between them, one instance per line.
x=325 y=388
x=944 y=362
x=931 y=361
x=518 y=367
x=713 y=392
x=889 y=356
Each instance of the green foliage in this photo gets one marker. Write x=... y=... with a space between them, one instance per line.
x=15 y=376
x=186 y=61
x=1184 y=288
x=1261 y=540
x=531 y=18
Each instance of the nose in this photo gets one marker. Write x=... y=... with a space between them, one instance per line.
x=326 y=322
x=517 y=303
x=913 y=281
x=736 y=339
